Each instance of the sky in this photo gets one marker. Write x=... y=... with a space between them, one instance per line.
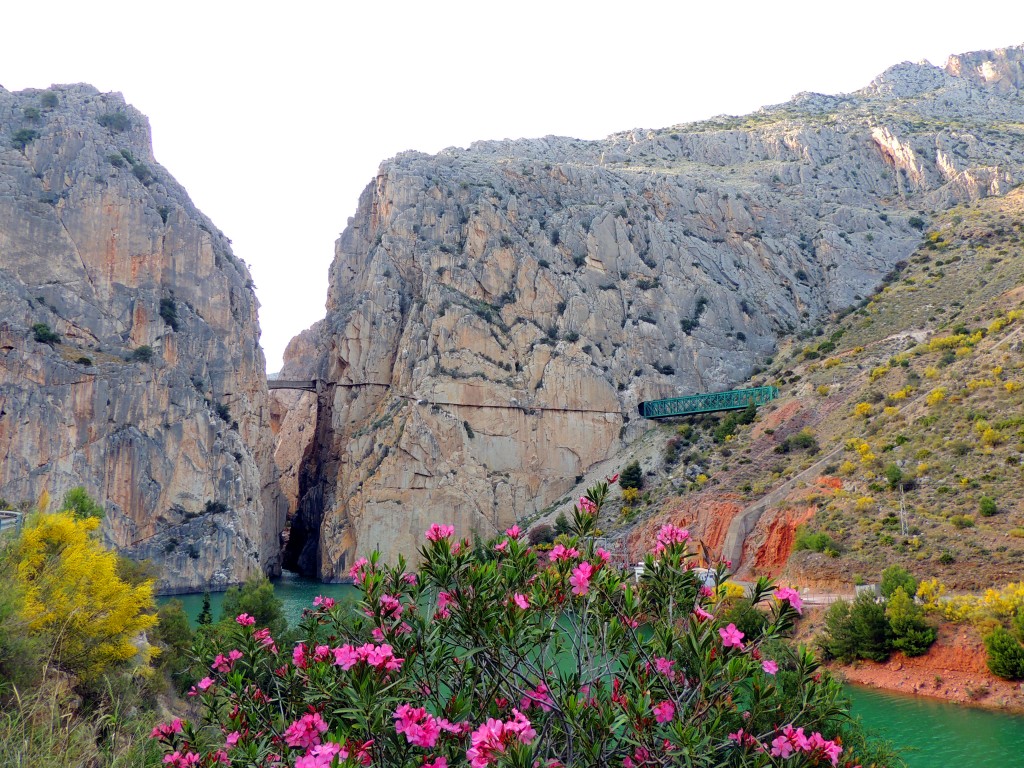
x=275 y=116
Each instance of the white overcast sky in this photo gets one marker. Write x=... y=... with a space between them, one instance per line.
x=274 y=116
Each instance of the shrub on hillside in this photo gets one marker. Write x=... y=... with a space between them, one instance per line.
x=911 y=633
x=1005 y=655
x=857 y=630
x=987 y=507
x=631 y=476
x=503 y=656
x=41 y=332
x=814 y=541
x=895 y=577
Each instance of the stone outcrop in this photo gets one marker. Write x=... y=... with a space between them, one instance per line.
x=154 y=395
x=496 y=313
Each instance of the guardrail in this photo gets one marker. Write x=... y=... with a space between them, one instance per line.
x=10 y=520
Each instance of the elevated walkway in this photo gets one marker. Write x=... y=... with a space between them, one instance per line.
x=309 y=385
x=711 y=402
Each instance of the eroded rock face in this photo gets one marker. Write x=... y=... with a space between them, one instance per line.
x=101 y=245
x=495 y=314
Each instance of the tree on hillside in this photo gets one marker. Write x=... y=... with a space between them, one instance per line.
x=631 y=476
x=896 y=576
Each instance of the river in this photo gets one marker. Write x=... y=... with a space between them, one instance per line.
x=933 y=734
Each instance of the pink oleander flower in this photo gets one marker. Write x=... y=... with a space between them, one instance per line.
x=321 y=755
x=580 y=578
x=664 y=666
x=670 y=535
x=501 y=546
x=613 y=479
x=521 y=600
x=791 y=596
x=356 y=571
x=299 y=655
x=165 y=731
x=440 y=762
x=560 y=552
x=262 y=636
x=323 y=602
x=321 y=653
x=245 y=619
x=513 y=532
x=443 y=601
x=438 y=532
x=493 y=737
x=421 y=729
x=232 y=739
x=782 y=747
x=604 y=554
x=182 y=759
x=664 y=712
x=305 y=732
x=409 y=578
x=539 y=696
x=391 y=606
x=731 y=637
x=701 y=614
x=345 y=657
x=587 y=506
x=204 y=684
x=769 y=666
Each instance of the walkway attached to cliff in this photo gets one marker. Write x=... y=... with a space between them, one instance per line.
x=707 y=402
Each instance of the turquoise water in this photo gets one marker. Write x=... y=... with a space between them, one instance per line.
x=295 y=592
x=933 y=734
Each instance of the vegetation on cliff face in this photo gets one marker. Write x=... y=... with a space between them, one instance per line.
x=898 y=436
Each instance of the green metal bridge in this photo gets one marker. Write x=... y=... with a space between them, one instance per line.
x=707 y=403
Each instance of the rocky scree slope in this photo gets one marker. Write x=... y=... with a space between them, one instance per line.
x=129 y=345
x=496 y=313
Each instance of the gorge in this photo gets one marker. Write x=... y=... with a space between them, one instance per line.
x=494 y=314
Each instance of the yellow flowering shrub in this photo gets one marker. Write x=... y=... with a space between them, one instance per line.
x=74 y=598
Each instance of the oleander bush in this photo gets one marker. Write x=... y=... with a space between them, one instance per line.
x=501 y=655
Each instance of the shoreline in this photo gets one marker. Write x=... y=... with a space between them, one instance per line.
x=953 y=671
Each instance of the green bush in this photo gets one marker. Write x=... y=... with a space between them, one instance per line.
x=895 y=577
x=858 y=630
x=814 y=541
x=48 y=99
x=142 y=173
x=115 y=121
x=41 y=332
x=894 y=475
x=22 y=137
x=141 y=354
x=256 y=597
x=987 y=507
x=169 y=313
x=174 y=639
x=631 y=476
x=1005 y=655
x=911 y=633
x=82 y=504
x=962 y=521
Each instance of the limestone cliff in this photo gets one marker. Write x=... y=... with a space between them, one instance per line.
x=496 y=313
x=151 y=393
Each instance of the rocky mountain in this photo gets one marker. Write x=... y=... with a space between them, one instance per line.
x=129 y=345
x=495 y=314
x=897 y=438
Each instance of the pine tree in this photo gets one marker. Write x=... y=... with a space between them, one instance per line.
x=206 y=614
